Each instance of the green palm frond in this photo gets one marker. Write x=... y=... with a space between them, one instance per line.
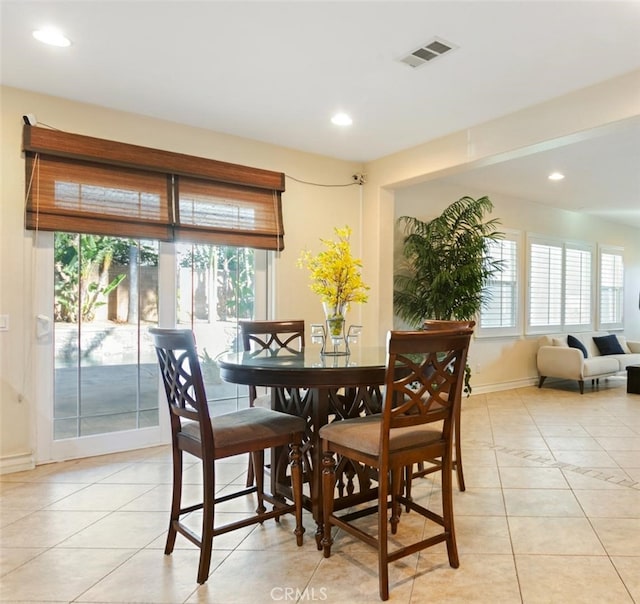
x=445 y=263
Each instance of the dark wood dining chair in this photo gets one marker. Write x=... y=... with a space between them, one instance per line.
x=433 y=465
x=424 y=378
x=209 y=439
x=268 y=335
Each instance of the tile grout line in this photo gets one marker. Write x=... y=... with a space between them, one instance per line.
x=552 y=463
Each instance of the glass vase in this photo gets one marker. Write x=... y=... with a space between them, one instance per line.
x=335 y=320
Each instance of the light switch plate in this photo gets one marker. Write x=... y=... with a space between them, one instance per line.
x=4 y=322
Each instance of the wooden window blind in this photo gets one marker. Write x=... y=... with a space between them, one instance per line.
x=243 y=216
x=81 y=197
x=82 y=184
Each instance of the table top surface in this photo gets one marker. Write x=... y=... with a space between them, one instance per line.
x=308 y=368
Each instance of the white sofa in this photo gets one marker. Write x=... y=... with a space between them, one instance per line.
x=557 y=359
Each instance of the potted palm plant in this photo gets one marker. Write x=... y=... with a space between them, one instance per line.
x=445 y=264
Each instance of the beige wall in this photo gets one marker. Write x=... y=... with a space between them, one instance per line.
x=309 y=213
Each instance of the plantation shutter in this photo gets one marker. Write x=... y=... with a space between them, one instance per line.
x=545 y=285
x=82 y=184
x=560 y=285
x=611 y=288
x=577 y=295
x=500 y=308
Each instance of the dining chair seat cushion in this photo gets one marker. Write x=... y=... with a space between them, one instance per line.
x=363 y=433
x=247 y=426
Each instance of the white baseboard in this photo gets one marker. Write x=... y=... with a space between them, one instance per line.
x=17 y=463
x=498 y=387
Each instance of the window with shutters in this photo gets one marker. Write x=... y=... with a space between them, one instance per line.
x=500 y=313
x=611 y=286
x=560 y=291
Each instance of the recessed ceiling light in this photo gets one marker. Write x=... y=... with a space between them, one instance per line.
x=341 y=119
x=50 y=36
x=556 y=176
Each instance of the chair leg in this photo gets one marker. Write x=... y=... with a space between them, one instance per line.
x=208 y=512
x=447 y=511
x=408 y=479
x=581 y=384
x=328 y=486
x=397 y=475
x=250 y=473
x=541 y=380
x=258 y=464
x=457 y=463
x=250 y=468
x=176 y=501
x=295 y=458
x=383 y=546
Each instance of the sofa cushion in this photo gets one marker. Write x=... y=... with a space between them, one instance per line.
x=624 y=360
x=573 y=342
x=608 y=345
x=596 y=366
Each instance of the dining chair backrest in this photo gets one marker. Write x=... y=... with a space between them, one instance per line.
x=183 y=385
x=433 y=325
x=268 y=335
x=445 y=324
x=272 y=335
x=424 y=377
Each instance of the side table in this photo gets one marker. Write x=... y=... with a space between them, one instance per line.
x=633 y=379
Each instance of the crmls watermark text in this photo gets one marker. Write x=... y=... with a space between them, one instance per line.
x=293 y=594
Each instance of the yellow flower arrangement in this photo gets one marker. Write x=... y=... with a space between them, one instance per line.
x=335 y=274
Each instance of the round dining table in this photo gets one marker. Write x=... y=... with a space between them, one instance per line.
x=320 y=388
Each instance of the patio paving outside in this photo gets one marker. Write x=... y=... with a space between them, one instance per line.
x=118 y=394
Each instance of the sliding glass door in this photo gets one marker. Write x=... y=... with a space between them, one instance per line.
x=106 y=297
x=216 y=286
x=101 y=296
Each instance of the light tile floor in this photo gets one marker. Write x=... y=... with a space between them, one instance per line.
x=551 y=514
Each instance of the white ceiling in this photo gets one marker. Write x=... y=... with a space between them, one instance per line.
x=277 y=71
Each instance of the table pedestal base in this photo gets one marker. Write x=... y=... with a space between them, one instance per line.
x=319 y=406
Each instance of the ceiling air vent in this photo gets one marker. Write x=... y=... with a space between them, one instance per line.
x=427 y=52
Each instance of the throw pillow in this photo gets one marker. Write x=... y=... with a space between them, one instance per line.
x=573 y=342
x=608 y=344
